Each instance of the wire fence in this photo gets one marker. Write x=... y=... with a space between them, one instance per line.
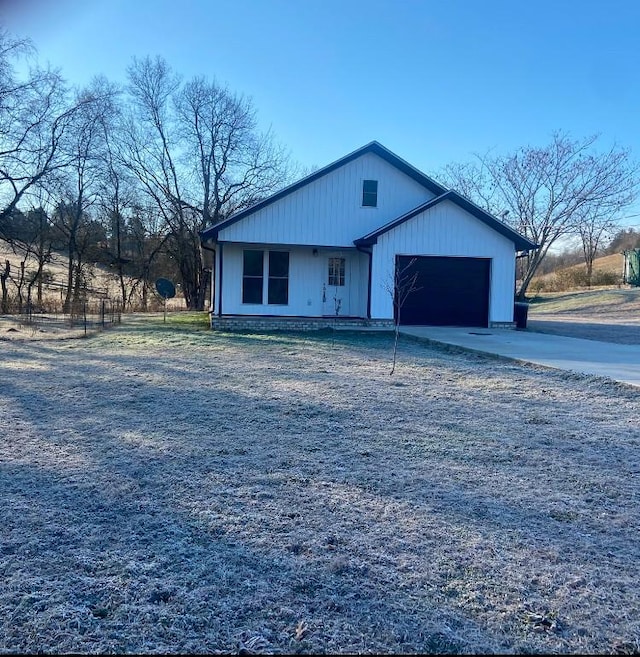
x=85 y=316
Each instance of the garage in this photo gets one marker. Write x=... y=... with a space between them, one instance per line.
x=451 y=291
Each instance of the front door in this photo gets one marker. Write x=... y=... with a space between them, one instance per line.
x=335 y=289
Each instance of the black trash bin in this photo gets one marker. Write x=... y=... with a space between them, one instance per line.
x=520 y=310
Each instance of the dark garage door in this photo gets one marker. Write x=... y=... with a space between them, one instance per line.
x=453 y=291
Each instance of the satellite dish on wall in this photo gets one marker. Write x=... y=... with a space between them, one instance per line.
x=166 y=289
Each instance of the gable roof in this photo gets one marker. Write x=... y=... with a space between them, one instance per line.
x=521 y=243
x=372 y=147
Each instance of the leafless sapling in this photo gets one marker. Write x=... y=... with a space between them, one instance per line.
x=400 y=287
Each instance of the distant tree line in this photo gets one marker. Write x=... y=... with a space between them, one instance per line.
x=124 y=177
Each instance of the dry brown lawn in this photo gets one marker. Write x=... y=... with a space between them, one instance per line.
x=172 y=490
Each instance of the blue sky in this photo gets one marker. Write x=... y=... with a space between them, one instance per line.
x=433 y=81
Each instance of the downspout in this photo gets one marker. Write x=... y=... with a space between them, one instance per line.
x=220 y=281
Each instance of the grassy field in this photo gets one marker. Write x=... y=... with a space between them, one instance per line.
x=167 y=489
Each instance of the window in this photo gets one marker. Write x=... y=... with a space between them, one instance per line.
x=252 y=276
x=278 y=277
x=336 y=271
x=370 y=193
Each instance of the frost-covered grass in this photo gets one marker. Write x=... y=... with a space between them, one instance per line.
x=169 y=489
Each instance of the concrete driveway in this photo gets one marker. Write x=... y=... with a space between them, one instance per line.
x=620 y=362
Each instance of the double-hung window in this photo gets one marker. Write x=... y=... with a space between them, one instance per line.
x=370 y=193
x=278 y=293
x=252 y=276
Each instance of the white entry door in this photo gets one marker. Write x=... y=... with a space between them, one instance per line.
x=336 y=286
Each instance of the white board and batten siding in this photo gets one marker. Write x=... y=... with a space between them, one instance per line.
x=445 y=230
x=328 y=211
x=309 y=294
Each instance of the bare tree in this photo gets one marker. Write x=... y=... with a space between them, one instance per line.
x=34 y=116
x=402 y=284
x=544 y=192
x=152 y=150
x=147 y=239
x=623 y=240
x=198 y=155
x=236 y=165
x=33 y=247
x=116 y=189
x=85 y=146
x=593 y=228
x=28 y=236
x=40 y=245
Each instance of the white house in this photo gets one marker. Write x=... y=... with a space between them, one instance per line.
x=330 y=244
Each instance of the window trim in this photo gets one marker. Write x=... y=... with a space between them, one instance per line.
x=265 y=277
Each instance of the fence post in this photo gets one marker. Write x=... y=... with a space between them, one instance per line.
x=84 y=312
x=102 y=312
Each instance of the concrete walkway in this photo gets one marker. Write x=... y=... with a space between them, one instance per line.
x=620 y=362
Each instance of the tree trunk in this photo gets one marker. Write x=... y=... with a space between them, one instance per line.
x=70 y=267
x=589 y=272
x=4 y=275
x=20 y=286
x=41 y=258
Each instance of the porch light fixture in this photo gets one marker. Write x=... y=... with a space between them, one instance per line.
x=315 y=252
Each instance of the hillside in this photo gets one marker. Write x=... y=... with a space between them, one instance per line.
x=607 y=271
x=57 y=267
x=102 y=281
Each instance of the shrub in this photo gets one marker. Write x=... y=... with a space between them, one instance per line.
x=571 y=279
